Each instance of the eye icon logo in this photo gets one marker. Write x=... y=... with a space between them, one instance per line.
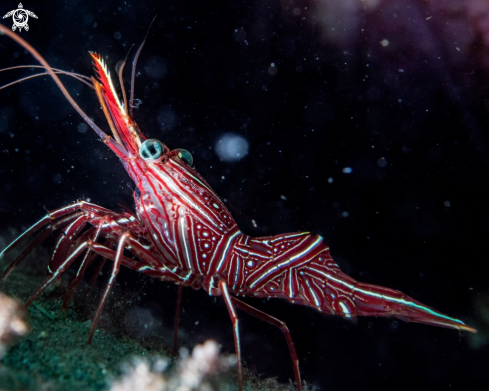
x=20 y=17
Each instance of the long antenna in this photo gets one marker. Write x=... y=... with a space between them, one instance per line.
x=134 y=62
x=109 y=141
x=52 y=73
x=119 y=68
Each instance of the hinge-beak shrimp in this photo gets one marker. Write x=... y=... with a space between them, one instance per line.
x=183 y=233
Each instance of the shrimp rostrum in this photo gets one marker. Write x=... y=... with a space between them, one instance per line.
x=183 y=233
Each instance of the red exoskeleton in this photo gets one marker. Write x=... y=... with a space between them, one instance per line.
x=183 y=233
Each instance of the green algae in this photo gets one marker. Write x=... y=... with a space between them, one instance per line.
x=55 y=354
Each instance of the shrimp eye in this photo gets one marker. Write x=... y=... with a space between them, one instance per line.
x=186 y=156
x=152 y=150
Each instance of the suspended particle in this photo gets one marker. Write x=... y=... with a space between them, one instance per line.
x=382 y=162
x=231 y=147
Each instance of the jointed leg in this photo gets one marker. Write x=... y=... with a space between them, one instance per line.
x=115 y=270
x=38 y=240
x=234 y=318
x=87 y=260
x=60 y=218
x=279 y=324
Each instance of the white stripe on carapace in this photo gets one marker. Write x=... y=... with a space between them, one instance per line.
x=187 y=276
x=183 y=231
x=290 y=236
x=197 y=260
x=225 y=251
x=195 y=178
x=291 y=284
x=391 y=298
x=284 y=264
x=258 y=255
x=313 y=293
x=183 y=170
x=345 y=310
x=159 y=240
x=238 y=271
x=167 y=180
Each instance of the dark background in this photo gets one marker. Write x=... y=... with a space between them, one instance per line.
x=395 y=90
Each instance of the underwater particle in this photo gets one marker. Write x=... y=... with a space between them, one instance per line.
x=139 y=322
x=166 y=118
x=347 y=170
x=156 y=67
x=345 y=214
x=382 y=162
x=57 y=178
x=6 y=113
x=231 y=147
x=330 y=180
x=117 y=35
x=12 y=322
x=3 y=123
x=447 y=204
x=272 y=69
x=384 y=42
x=239 y=34
x=82 y=127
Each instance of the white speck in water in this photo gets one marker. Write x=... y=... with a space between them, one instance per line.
x=239 y=34
x=82 y=127
x=382 y=162
x=272 y=69
x=347 y=170
x=166 y=118
x=231 y=147
x=156 y=67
